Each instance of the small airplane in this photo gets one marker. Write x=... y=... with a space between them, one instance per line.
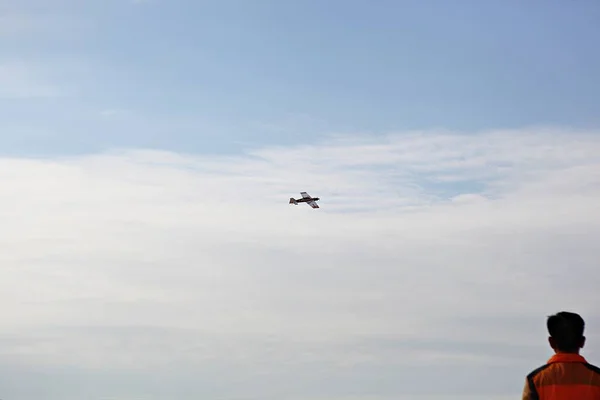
x=306 y=198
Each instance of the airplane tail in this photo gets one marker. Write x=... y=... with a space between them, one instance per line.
x=293 y=201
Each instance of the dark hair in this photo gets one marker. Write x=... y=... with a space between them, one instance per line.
x=566 y=328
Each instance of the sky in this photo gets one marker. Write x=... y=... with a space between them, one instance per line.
x=148 y=150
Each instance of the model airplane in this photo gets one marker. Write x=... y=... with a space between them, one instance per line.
x=306 y=198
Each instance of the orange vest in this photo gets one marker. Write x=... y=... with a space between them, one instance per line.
x=563 y=377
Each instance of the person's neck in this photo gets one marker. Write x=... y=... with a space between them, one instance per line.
x=566 y=352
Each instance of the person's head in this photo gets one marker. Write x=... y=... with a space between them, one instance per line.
x=566 y=332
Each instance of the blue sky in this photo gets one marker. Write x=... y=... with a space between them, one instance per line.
x=218 y=76
x=148 y=150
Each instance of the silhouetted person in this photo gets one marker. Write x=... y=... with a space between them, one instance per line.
x=566 y=375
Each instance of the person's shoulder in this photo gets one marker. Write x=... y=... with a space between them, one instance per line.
x=537 y=371
x=593 y=367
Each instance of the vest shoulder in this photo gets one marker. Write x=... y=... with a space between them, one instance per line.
x=537 y=371
x=592 y=367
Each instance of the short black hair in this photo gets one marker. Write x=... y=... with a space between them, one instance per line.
x=566 y=328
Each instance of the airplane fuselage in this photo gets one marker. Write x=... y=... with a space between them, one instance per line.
x=306 y=200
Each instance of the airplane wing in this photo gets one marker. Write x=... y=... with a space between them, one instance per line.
x=305 y=195
x=313 y=204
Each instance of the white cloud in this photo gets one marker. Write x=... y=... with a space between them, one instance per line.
x=150 y=262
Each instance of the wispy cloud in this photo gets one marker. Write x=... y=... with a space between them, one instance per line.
x=169 y=264
x=113 y=112
x=20 y=80
x=17 y=24
x=31 y=22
